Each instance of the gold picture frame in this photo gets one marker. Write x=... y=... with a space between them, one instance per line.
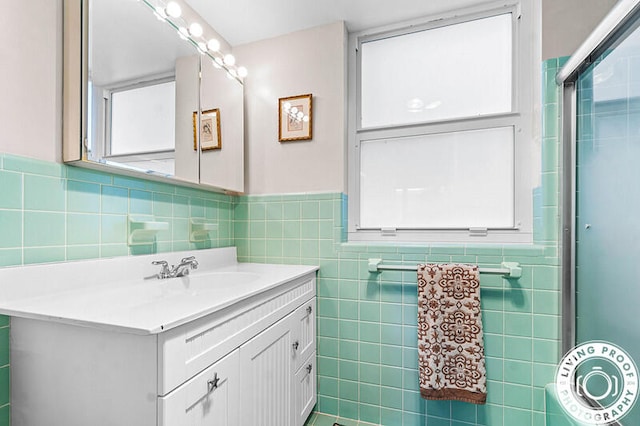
x=295 y=119
x=211 y=137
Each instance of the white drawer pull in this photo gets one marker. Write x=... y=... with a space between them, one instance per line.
x=213 y=383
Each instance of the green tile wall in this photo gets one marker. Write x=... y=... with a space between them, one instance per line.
x=54 y=212
x=367 y=354
x=50 y=212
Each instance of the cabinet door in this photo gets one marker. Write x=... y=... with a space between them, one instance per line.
x=210 y=398
x=304 y=332
x=267 y=377
x=305 y=390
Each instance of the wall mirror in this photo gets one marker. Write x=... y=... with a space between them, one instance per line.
x=148 y=93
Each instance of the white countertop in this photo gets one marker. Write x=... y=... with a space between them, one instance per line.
x=130 y=303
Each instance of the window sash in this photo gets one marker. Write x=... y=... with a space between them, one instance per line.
x=126 y=136
x=408 y=96
x=452 y=180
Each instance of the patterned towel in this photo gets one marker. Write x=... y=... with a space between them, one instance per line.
x=450 y=346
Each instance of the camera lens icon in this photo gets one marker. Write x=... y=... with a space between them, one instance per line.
x=610 y=390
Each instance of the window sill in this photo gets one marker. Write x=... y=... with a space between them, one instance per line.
x=431 y=237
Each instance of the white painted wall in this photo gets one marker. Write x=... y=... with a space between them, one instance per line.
x=31 y=78
x=567 y=23
x=223 y=167
x=310 y=61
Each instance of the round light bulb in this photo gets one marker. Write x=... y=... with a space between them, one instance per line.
x=202 y=47
x=173 y=9
x=305 y=118
x=294 y=110
x=287 y=106
x=219 y=61
x=213 y=45
x=229 y=59
x=299 y=115
x=195 y=29
x=242 y=72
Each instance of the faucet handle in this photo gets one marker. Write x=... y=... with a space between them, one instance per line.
x=165 y=267
x=193 y=263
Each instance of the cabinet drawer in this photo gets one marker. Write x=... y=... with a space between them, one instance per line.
x=211 y=397
x=189 y=349
x=304 y=332
x=305 y=389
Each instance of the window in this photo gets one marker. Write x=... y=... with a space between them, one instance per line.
x=143 y=119
x=441 y=135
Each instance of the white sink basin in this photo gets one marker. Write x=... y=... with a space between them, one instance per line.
x=207 y=281
x=113 y=294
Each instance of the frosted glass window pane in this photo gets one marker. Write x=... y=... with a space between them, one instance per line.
x=456 y=71
x=143 y=119
x=447 y=180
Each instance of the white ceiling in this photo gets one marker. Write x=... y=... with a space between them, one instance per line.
x=245 y=21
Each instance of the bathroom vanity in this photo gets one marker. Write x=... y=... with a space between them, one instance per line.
x=93 y=343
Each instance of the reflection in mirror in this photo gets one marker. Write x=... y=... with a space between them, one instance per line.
x=220 y=93
x=137 y=100
x=133 y=93
x=187 y=87
x=209 y=133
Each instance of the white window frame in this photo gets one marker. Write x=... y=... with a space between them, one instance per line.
x=108 y=100
x=524 y=117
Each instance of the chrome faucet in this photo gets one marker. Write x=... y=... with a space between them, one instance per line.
x=180 y=270
x=183 y=268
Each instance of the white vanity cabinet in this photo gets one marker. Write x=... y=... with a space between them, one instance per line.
x=251 y=362
x=276 y=369
x=257 y=384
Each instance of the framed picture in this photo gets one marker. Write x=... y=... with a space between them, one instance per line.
x=210 y=135
x=294 y=118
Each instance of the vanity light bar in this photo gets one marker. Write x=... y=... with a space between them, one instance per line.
x=195 y=33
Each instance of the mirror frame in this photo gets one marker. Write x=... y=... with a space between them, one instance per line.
x=75 y=87
x=74 y=79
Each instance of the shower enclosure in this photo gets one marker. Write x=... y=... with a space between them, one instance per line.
x=601 y=195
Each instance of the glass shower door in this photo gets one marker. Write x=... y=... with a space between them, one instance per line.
x=607 y=227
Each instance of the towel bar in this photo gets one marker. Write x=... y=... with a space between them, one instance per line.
x=508 y=269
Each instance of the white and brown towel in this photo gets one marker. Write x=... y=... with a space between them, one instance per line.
x=450 y=344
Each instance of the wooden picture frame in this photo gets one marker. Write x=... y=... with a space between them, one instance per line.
x=295 y=119
x=211 y=137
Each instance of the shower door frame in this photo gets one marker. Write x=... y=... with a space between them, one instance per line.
x=624 y=15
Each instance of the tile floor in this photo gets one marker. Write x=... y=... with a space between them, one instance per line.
x=319 y=419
